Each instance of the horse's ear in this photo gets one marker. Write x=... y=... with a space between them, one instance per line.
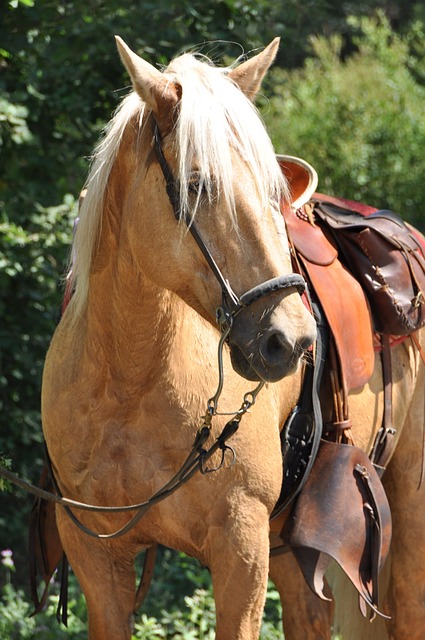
x=159 y=94
x=249 y=75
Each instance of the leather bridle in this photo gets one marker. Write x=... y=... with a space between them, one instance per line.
x=199 y=455
x=231 y=304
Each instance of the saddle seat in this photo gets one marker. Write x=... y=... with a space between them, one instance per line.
x=340 y=295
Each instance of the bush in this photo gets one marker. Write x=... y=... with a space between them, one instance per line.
x=358 y=121
x=32 y=260
x=185 y=617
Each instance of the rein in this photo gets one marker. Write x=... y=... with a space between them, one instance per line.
x=199 y=456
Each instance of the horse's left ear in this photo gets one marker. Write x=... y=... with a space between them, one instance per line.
x=249 y=75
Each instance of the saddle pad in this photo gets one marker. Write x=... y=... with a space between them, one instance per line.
x=359 y=207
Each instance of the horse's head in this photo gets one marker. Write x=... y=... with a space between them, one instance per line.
x=214 y=158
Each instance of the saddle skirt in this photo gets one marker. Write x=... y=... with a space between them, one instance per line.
x=342 y=298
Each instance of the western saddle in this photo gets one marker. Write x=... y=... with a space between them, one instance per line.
x=352 y=342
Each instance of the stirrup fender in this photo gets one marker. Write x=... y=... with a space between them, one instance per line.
x=341 y=514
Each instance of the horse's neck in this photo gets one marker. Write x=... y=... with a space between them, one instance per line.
x=140 y=333
x=131 y=321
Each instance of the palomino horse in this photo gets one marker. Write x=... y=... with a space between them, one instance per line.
x=132 y=368
x=133 y=361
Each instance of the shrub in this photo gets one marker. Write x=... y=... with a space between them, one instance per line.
x=358 y=121
x=164 y=615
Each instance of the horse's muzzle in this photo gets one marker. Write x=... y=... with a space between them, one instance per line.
x=272 y=354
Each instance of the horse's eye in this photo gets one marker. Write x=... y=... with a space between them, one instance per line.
x=196 y=185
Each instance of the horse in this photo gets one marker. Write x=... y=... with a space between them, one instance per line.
x=182 y=284
x=132 y=365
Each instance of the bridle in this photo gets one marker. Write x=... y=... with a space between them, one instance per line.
x=199 y=455
x=231 y=303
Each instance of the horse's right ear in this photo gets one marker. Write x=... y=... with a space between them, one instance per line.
x=159 y=94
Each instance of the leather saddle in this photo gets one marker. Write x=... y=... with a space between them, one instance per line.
x=341 y=512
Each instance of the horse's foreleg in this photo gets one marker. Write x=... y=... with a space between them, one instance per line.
x=305 y=615
x=238 y=560
x=106 y=575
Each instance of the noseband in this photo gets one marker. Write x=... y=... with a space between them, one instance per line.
x=231 y=303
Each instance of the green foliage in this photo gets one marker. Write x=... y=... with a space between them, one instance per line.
x=31 y=263
x=359 y=121
x=6 y=463
x=196 y=621
x=16 y=622
x=190 y=617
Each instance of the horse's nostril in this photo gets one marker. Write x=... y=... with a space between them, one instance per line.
x=306 y=342
x=277 y=345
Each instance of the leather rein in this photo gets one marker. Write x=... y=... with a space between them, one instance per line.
x=198 y=457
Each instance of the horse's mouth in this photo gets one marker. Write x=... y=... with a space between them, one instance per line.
x=270 y=350
x=242 y=365
x=257 y=368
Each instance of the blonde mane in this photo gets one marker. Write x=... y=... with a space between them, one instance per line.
x=214 y=118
